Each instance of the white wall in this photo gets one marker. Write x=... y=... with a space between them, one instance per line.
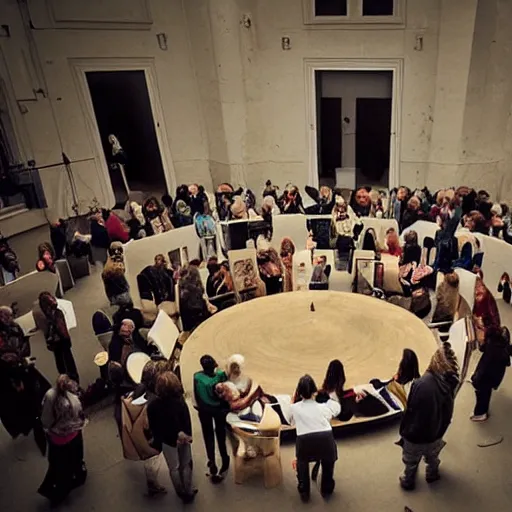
x=354 y=84
x=233 y=101
x=58 y=122
x=486 y=133
x=277 y=130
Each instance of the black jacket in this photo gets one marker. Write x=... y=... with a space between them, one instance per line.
x=156 y=284
x=193 y=309
x=115 y=286
x=491 y=368
x=99 y=235
x=167 y=418
x=429 y=409
x=412 y=253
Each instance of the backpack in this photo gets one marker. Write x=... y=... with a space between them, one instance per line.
x=135 y=430
x=205 y=226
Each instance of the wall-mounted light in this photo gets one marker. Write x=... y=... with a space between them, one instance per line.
x=246 y=21
x=286 y=43
x=418 y=46
x=162 y=41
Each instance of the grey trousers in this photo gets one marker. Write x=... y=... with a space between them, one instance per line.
x=413 y=453
x=179 y=460
x=152 y=467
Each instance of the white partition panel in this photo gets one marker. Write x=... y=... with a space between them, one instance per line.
x=467 y=281
x=291 y=226
x=423 y=228
x=140 y=253
x=380 y=226
x=497 y=259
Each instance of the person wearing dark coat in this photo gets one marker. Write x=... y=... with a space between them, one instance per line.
x=291 y=201
x=324 y=200
x=127 y=340
x=193 y=304
x=58 y=237
x=428 y=415
x=490 y=370
x=99 y=233
x=412 y=213
x=156 y=282
x=22 y=387
x=131 y=312
x=360 y=201
x=412 y=250
x=181 y=211
x=57 y=336
x=171 y=426
x=446 y=243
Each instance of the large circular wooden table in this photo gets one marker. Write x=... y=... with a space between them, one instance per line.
x=282 y=339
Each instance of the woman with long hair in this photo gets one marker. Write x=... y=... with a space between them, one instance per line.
x=194 y=305
x=57 y=336
x=315 y=440
x=490 y=370
x=22 y=386
x=334 y=381
x=333 y=388
x=63 y=420
x=447 y=301
x=428 y=415
x=408 y=369
x=170 y=424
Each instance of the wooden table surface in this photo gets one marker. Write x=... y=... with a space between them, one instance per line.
x=282 y=339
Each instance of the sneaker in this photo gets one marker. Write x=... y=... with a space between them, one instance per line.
x=433 y=478
x=405 y=485
x=479 y=418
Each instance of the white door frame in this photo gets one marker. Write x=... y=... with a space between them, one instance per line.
x=394 y=65
x=79 y=68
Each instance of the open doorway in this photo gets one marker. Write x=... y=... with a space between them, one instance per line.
x=122 y=108
x=353 y=114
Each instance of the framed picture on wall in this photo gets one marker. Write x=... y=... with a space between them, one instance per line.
x=175 y=259
x=184 y=256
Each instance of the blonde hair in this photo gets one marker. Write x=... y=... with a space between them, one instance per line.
x=113 y=268
x=444 y=363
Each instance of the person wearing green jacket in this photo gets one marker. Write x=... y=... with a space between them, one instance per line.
x=212 y=411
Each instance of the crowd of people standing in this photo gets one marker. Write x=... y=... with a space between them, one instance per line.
x=162 y=426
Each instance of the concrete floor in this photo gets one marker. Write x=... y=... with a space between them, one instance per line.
x=474 y=478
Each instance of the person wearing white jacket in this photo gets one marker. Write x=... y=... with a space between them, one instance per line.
x=315 y=440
